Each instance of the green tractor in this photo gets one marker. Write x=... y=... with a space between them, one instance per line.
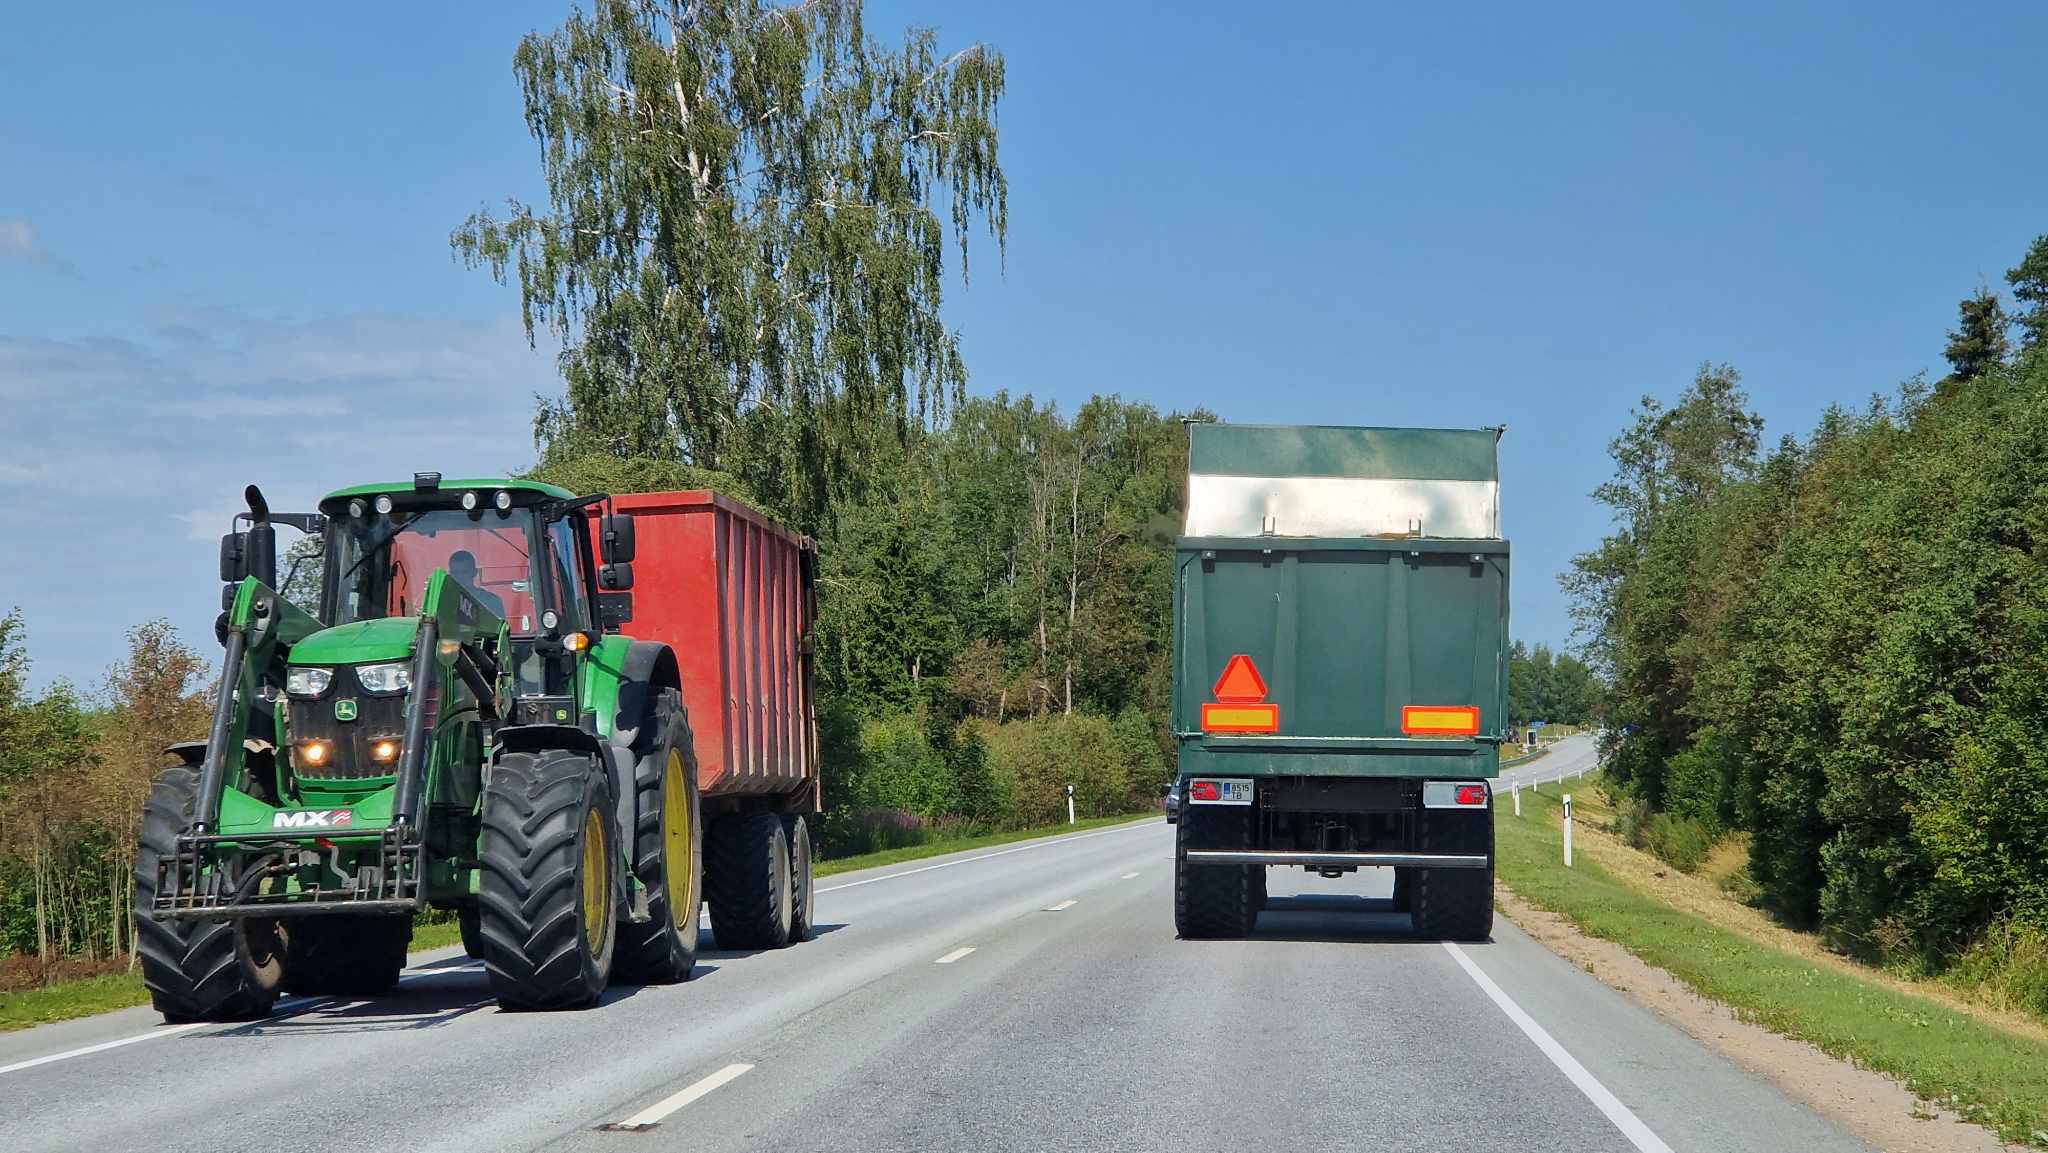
x=461 y=728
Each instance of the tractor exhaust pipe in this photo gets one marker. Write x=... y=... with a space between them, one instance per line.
x=262 y=538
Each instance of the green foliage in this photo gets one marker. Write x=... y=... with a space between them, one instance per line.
x=1843 y=649
x=1979 y=342
x=744 y=245
x=1114 y=766
x=2029 y=282
x=1556 y=688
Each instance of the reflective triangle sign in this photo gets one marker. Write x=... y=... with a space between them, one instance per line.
x=1240 y=682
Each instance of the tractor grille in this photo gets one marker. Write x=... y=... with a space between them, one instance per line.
x=377 y=719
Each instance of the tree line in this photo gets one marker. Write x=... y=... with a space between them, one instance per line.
x=1839 y=644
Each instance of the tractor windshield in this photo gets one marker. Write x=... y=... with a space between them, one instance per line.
x=381 y=563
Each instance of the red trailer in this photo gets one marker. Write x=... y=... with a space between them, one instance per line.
x=734 y=595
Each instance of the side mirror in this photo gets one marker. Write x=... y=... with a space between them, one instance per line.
x=615 y=539
x=616 y=577
x=234 y=557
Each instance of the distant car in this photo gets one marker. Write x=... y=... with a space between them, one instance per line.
x=1173 y=802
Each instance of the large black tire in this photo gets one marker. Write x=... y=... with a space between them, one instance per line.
x=197 y=970
x=1454 y=904
x=548 y=901
x=357 y=956
x=668 y=855
x=469 y=922
x=747 y=882
x=798 y=830
x=1215 y=900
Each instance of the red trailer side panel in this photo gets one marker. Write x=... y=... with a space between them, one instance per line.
x=731 y=592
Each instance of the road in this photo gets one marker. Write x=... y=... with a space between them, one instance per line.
x=1569 y=756
x=1027 y=998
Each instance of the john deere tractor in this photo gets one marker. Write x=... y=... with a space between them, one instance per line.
x=460 y=728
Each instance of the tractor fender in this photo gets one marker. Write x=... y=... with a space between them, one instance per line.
x=649 y=667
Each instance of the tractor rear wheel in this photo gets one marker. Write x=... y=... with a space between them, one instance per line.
x=549 y=906
x=748 y=882
x=668 y=857
x=798 y=831
x=197 y=970
x=347 y=955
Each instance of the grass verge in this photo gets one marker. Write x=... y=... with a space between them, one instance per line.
x=960 y=844
x=1985 y=1074
x=92 y=995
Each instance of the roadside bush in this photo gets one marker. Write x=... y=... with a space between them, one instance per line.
x=2008 y=968
x=1110 y=764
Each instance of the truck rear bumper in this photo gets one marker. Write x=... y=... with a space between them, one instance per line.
x=1337 y=860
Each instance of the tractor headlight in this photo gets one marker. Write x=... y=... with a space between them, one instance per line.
x=308 y=682
x=392 y=677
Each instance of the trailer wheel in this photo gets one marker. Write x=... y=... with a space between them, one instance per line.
x=1214 y=900
x=668 y=856
x=341 y=954
x=197 y=970
x=548 y=906
x=1454 y=904
x=748 y=882
x=798 y=831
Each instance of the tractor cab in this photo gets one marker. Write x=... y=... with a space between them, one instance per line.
x=521 y=551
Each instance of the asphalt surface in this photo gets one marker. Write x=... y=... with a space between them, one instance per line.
x=1076 y=1021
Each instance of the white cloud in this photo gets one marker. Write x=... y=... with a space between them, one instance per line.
x=122 y=460
x=18 y=240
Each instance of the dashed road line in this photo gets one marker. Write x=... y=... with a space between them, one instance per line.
x=1058 y=907
x=651 y=1116
x=955 y=955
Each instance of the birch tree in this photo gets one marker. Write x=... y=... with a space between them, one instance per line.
x=750 y=207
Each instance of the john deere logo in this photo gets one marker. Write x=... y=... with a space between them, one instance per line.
x=345 y=709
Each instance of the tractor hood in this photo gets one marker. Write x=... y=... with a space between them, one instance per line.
x=361 y=642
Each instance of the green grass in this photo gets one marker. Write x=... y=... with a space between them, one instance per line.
x=1987 y=1075
x=80 y=998
x=940 y=848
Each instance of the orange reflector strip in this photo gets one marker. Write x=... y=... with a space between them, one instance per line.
x=1240 y=718
x=1440 y=721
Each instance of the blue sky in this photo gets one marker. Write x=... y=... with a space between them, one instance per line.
x=224 y=258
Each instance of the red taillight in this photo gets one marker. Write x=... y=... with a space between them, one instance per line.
x=1471 y=794
x=1205 y=791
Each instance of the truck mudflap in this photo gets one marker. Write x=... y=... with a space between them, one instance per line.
x=1337 y=860
x=218 y=877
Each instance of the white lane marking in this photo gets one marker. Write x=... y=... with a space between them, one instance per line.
x=165 y=1031
x=651 y=1116
x=284 y=1008
x=1624 y=1119
x=986 y=856
x=955 y=955
x=1128 y=876
x=1058 y=907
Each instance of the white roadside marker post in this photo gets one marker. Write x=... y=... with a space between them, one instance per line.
x=1567 y=830
x=1070 y=804
x=1515 y=787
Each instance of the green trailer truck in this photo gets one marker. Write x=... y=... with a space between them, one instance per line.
x=1340 y=668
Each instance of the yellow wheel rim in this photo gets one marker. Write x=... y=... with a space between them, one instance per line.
x=597 y=884
x=676 y=834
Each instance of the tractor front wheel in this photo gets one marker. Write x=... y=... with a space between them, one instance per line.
x=197 y=970
x=548 y=903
